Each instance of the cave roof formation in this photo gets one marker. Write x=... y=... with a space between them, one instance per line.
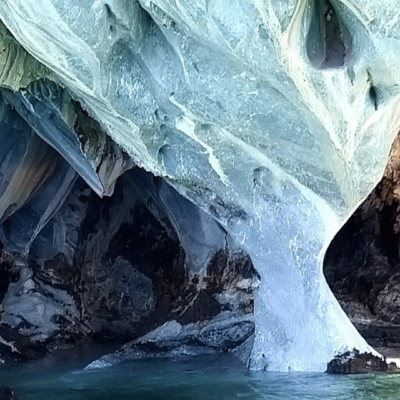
x=274 y=117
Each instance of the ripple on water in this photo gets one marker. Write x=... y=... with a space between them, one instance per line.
x=60 y=376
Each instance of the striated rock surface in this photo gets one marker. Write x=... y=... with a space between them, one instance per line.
x=274 y=119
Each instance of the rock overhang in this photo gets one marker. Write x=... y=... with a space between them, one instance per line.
x=277 y=120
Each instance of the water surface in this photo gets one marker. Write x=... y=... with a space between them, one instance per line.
x=61 y=376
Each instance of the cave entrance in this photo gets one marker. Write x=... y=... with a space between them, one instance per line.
x=362 y=263
x=114 y=269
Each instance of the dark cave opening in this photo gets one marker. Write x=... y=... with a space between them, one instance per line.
x=328 y=40
x=362 y=264
x=109 y=260
x=113 y=269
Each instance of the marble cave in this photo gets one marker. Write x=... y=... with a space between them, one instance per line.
x=191 y=177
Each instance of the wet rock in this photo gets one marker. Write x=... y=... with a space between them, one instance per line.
x=225 y=333
x=359 y=363
x=15 y=346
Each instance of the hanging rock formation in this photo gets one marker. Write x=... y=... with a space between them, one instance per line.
x=274 y=119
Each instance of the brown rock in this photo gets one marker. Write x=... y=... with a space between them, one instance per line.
x=359 y=363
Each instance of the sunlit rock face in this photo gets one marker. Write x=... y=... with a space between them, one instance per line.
x=274 y=117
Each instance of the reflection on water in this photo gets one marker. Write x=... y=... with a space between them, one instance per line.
x=61 y=376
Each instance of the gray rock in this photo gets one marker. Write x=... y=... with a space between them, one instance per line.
x=114 y=268
x=274 y=118
x=227 y=332
x=106 y=361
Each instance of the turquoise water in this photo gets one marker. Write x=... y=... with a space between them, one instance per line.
x=60 y=376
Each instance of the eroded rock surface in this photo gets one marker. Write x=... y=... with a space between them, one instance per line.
x=115 y=269
x=356 y=363
x=226 y=332
x=274 y=118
